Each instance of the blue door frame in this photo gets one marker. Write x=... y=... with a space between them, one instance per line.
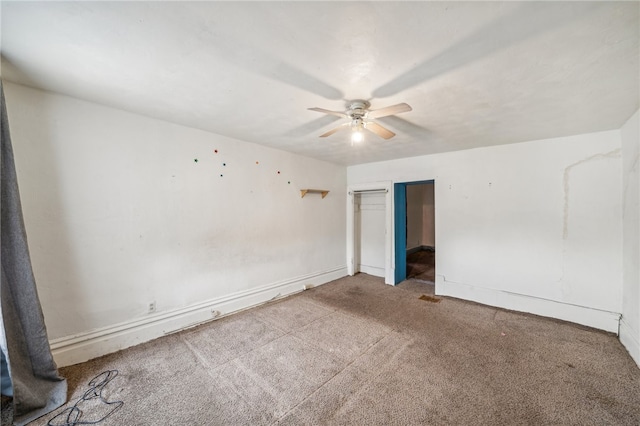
x=400 y=227
x=400 y=231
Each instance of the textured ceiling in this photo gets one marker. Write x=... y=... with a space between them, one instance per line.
x=475 y=73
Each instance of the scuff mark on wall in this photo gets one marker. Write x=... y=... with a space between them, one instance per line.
x=565 y=287
x=616 y=153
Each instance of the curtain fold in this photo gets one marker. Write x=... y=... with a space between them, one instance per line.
x=37 y=386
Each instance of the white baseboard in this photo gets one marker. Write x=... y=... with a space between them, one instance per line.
x=85 y=346
x=372 y=270
x=591 y=317
x=629 y=339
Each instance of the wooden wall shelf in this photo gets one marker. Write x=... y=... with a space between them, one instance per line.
x=314 y=191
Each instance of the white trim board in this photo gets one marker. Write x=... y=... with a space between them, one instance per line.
x=389 y=263
x=372 y=270
x=629 y=339
x=85 y=346
x=591 y=317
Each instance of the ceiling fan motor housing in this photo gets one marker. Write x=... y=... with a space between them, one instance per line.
x=357 y=109
x=361 y=118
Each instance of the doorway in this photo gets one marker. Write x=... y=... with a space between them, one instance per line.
x=414 y=209
x=369 y=244
x=354 y=241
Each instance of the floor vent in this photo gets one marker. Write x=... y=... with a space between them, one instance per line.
x=430 y=298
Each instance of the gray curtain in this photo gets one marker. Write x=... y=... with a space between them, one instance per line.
x=37 y=387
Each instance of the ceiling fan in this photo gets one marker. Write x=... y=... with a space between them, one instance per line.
x=360 y=116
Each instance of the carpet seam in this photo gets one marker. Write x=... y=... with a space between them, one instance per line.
x=257 y=316
x=332 y=377
x=217 y=367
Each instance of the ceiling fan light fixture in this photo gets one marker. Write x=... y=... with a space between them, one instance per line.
x=357 y=127
x=356 y=136
x=361 y=118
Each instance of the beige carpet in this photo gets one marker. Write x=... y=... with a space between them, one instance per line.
x=358 y=352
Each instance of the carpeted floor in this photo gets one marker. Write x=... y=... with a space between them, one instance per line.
x=421 y=265
x=359 y=352
x=6 y=415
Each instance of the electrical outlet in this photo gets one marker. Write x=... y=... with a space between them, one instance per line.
x=152 y=306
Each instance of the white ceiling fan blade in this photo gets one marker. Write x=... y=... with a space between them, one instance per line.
x=332 y=131
x=390 y=110
x=379 y=130
x=326 y=111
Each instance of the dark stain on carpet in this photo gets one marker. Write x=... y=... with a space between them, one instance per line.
x=430 y=298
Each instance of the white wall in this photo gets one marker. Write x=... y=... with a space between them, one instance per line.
x=415 y=202
x=420 y=216
x=630 y=323
x=532 y=226
x=428 y=216
x=119 y=214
